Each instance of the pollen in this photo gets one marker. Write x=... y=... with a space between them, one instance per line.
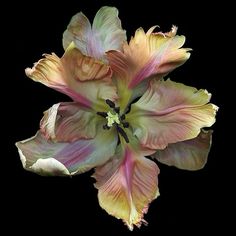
x=112 y=118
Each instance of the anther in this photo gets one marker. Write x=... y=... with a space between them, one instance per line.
x=125 y=124
x=110 y=103
x=103 y=114
x=123 y=134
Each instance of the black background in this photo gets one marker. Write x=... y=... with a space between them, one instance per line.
x=190 y=202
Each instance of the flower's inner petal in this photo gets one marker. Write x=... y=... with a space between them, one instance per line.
x=106 y=33
x=68 y=122
x=188 y=155
x=126 y=185
x=39 y=154
x=170 y=112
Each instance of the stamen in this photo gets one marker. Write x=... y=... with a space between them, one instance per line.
x=122 y=133
x=103 y=114
x=125 y=124
x=110 y=103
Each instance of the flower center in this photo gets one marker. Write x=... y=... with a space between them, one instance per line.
x=113 y=118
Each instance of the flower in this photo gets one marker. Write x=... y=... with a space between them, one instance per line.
x=122 y=111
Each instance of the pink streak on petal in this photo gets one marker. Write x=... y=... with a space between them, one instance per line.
x=75 y=96
x=128 y=166
x=146 y=71
x=78 y=152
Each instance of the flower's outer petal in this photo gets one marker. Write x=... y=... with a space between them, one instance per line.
x=188 y=155
x=78 y=31
x=68 y=122
x=83 y=78
x=46 y=157
x=126 y=186
x=148 y=54
x=106 y=33
x=145 y=56
x=170 y=112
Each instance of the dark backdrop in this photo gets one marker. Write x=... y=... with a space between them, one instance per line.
x=190 y=202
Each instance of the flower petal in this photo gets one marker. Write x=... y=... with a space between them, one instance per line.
x=68 y=122
x=78 y=31
x=126 y=185
x=106 y=33
x=46 y=157
x=170 y=112
x=188 y=155
x=145 y=55
x=83 y=78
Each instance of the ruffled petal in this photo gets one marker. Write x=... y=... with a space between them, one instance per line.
x=145 y=55
x=170 y=112
x=126 y=185
x=84 y=79
x=106 y=33
x=188 y=155
x=45 y=157
x=68 y=122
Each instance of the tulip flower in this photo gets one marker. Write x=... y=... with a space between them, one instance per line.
x=123 y=111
